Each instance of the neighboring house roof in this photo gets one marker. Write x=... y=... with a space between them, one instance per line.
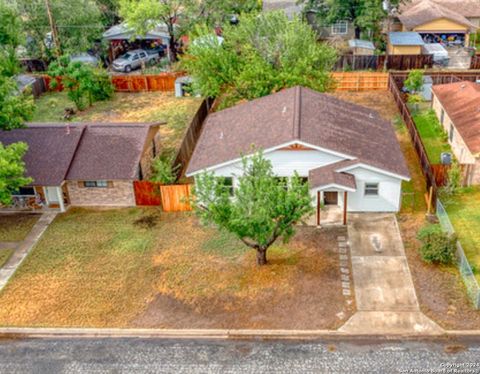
x=461 y=101
x=405 y=38
x=329 y=175
x=50 y=151
x=358 y=43
x=59 y=151
x=123 y=32
x=290 y=7
x=426 y=11
x=467 y=8
x=298 y=114
x=109 y=151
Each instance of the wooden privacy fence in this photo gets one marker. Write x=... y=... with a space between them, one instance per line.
x=360 y=81
x=172 y=198
x=475 y=62
x=191 y=137
x=164 y=82
x=383 y=62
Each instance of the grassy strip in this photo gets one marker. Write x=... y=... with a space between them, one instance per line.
x=15 y=227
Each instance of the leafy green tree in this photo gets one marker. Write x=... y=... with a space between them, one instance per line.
x=15 y=107
x=262 y=208
x=79 y=24
x=11 y=36
x=84 y=83
x=180 y=15
x=163 y=171
x=12 y=170
x=261 y=55
x=414 y=81
x=366 y=15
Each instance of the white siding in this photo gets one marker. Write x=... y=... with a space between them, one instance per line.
x=389 y=192
x=286 y=162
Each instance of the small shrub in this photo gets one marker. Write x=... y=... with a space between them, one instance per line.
x=163 y=171
x=414 y=81
x=437 y=246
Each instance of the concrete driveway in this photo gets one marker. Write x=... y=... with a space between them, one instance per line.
x=384 y=290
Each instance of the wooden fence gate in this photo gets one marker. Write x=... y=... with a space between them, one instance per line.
x=172 y=198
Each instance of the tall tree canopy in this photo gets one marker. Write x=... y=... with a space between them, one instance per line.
x=261 y=55
x=262 y=209
x=15 y=107
x=79 y=24
x=11 y=35
x=12 y=170
x=366 y=15
x=180 y=15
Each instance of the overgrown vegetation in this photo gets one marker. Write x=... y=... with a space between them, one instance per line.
x=260 y=55
x=84 y=83
x=163 y=171
x=437 y=246
x=12 y=170
x=259 y=210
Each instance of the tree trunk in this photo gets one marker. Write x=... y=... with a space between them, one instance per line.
x=261 y=256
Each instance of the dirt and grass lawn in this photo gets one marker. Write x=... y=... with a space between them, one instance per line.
x=14 y=227
x=440 y=290
x=141 y=267
x=126 y=107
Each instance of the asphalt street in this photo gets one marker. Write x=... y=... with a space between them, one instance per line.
x=129 y=355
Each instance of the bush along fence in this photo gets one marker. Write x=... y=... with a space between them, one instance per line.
x=383 y=62
x=466 y=271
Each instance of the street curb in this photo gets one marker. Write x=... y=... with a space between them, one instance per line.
x=18 y=332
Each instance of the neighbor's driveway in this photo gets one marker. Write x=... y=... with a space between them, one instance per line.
x=384 y=290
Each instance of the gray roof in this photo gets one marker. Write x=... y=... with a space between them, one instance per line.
x=302 y=114
x=80 y=151
x=405 y=38
x=358 y=43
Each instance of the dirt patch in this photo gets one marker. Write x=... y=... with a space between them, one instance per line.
x=299 y=289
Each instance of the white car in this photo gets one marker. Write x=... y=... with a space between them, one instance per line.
x=133 y=60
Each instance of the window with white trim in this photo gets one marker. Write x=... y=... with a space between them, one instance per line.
x=95 y=184
x=340 y=28
x=371 y=189
x=227 y=183
x=25 y=191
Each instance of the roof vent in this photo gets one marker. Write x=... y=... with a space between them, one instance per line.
x=463 y=85
x=68 y=129
x=284 y=110
x=371 y=115
x=221 y=135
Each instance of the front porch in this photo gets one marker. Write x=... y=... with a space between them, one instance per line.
x=39 y=198
x=330 y=215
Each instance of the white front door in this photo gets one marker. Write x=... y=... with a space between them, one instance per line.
x=52 y=195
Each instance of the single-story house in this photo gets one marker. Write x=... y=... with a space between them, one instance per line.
x=81 y=164
x=457 y=106
x=348 y=153
x=439 y=21
x=404 y=43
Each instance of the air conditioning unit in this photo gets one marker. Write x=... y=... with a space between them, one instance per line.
x=446 y=158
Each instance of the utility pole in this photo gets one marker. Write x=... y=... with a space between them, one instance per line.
x=56 y=41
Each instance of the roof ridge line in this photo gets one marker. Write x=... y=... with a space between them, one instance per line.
x=83 y=130
x=296 y=112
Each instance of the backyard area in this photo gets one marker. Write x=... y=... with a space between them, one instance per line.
x=433 y=137
x=440 y=290
x=126 y=107
x=141 y=267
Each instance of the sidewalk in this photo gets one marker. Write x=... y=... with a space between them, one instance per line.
x=23 y=248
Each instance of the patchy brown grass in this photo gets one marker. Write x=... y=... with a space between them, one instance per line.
x=440 y=290
x=127 y=107
x=5 y=254
x=117 y=268
x=15 y=227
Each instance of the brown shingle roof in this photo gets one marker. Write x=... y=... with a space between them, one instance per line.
x=50 y=151
x=461 y=101
x=109 y=151
x=328 y=174
x=80 y=151
x=426 y=11
x=467 y=8
x=298 y=114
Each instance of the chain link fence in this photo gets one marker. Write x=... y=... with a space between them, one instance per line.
x=468 y=276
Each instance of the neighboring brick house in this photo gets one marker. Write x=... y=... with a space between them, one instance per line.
x=85 y=164
x=457 y=106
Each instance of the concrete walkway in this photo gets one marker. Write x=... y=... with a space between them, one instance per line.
x=23 y=248
x=384 y=290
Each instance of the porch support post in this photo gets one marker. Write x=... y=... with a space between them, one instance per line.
x=60 y=199
x=318 y=208
x=345 y=207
